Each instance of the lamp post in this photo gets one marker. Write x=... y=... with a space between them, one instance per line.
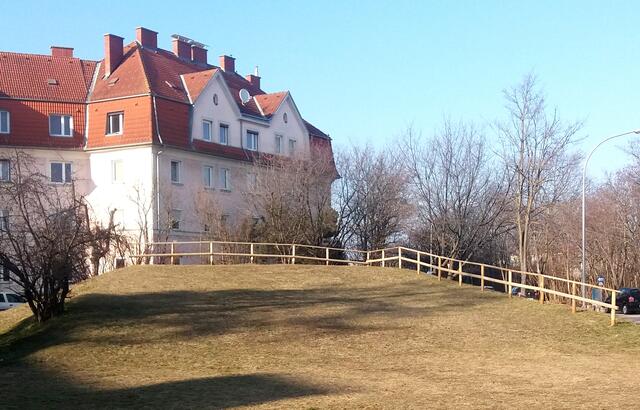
x=584 y=177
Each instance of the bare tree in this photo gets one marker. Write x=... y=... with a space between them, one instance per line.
x=292 y=200
x=371 y=197
x=48 y=240
x=537 y=153
x=459 y=190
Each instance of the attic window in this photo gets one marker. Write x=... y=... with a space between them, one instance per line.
x=113 y=81
x=172 y=85
x=52 y=81
x=284 y=118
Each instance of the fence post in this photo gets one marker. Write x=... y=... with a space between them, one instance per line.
x=326 y=256
x=439 y=268
x=293 y=254
x=510 y=287
x=418 y=262
x=251 y=252
x=613 y=307
x=173 y=260
x=459 y=273
x=482 y=278
x=368 y=263
x=211 y=253
x=383 y=258
x=573 y=300
x=399 y=257
x=541 y=286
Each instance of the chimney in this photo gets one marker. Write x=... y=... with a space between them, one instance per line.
x=57 y=51
x=181 y=48
x=198 y=54
x=254 y=80
x=228 y=63
x=112 y=53
x=147 y=38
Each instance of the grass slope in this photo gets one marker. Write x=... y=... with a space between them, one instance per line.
x=310 y=337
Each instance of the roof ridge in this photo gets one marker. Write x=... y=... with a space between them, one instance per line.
x=46 y=56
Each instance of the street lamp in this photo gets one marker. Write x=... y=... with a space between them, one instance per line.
x=584 y=177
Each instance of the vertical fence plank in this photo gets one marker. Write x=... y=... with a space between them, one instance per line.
x=573 y=300
x=541 y=286
x=326 y=256
x=399 y=257
x=459 y=273
x=510 y=283
x=613 y=307
x=210 y=253
x=368 y=257
x=173 y=249
x=251 y=250
x=293 y=254
x=439 y=268
x=482 y=278
x=383 y=258
x=418 y=262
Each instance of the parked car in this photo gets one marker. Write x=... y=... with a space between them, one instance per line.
x=10 y=300
x=627 y=301
x=528 y=293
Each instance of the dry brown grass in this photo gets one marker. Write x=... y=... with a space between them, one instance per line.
x=311 y=337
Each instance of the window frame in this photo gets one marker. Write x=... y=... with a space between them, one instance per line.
x=179 y=171
x=8 y=131
x=4 y=274
x=4 y=221
x=257 y=139
x=220 y=128
x=279 y=145
x=114 y=179
x=120 y=115
x=211 y=174
x=226 y=172
x=8 y=162
x=210 y=123
x=62 y=125
x=292 y=146
x=64 y=164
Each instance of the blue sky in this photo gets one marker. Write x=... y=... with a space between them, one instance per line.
x=364 y=71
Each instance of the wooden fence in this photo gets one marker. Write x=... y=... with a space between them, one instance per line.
x=218 y=252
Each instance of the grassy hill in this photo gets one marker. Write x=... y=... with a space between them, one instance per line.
x=310 y=337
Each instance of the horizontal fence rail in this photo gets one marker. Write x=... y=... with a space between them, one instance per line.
x=221 y=252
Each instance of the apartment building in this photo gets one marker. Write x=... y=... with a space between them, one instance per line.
x=148 y=129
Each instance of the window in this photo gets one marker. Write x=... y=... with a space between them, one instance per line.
x=60 y=125
x=206 y=228
x=12 y=298
x=225 y=179
x=5 y=170
x=252 y=141
x=4 y=220
x=224 y=220
x=115 y=123
x=292 y=147
x=207 y=126
x=176 y=219
x=278 y=144
x=252 y=181
x=207 y=176
x=176 y=166
x=117 y=171
x=224 y=134
x=4 y=273
x=61 y=172
x=5 y=124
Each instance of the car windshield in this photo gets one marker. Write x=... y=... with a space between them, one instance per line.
x=635 y=292
x=11 y=298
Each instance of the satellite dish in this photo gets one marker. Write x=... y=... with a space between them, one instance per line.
x=245 y=97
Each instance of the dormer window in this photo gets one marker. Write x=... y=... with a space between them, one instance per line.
x=5 y=125
x=60 y=125
x=252 y=140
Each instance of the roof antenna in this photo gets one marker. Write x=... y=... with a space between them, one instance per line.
x=255 y=72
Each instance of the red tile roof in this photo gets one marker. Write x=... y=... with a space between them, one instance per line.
x=128 y=78
x=270 y=102
x=196 y=82
x=43 y=77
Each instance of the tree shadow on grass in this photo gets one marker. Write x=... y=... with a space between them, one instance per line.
x=49 y=390
x=184 y=316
